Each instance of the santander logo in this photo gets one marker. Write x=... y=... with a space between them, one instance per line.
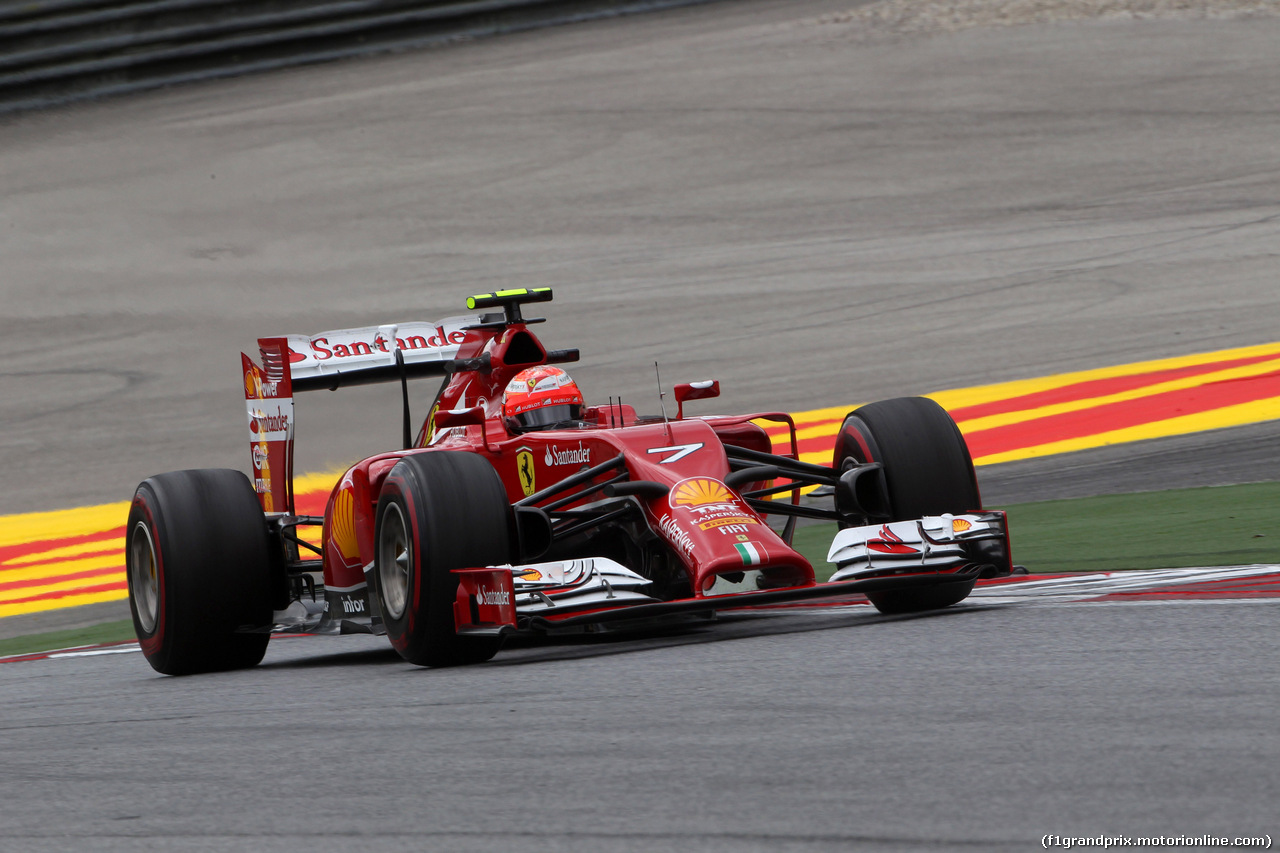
x=356 y=343
x=499 y=597
x=573 y=456
x=261 y=422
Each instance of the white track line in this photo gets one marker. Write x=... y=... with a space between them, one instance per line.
x=1082 y=588
x=1074 y=589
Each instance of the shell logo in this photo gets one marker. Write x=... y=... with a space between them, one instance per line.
x=250 y=387
x=344 y=528
x=960 y=525
x=700 y=491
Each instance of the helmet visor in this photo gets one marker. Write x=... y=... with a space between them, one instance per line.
x=548 y=416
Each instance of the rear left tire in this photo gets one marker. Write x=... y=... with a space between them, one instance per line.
x=199 y=572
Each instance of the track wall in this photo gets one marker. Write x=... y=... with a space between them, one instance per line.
x=56 y=51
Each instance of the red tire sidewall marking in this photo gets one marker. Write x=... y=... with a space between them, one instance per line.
x=152 y=644
x=849 y=432
x=396 y=487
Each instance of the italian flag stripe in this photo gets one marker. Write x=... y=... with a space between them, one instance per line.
x=749 y=553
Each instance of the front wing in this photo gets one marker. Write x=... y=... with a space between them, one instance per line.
x=895 y=556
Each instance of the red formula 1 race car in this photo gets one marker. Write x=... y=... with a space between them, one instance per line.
x=518 y=508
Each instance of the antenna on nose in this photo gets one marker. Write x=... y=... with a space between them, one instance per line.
x=661 y=404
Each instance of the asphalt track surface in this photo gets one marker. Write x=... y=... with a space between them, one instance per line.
x=978 y=728
x=810 y=217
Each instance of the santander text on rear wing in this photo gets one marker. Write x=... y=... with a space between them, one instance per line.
x=329 y=360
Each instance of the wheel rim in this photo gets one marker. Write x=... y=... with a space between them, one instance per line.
x=395 y=560
x=144 y=582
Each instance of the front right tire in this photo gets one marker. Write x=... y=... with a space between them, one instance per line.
x=928 y=471
x=926 y=461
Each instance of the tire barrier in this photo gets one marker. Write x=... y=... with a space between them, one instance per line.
x=58 y=51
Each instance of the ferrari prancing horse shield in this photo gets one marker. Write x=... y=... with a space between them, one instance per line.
x=524 y=467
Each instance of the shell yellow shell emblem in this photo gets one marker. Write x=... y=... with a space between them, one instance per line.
x=700 y=491
x=960 y=525
x=344 y=526
x=524 y=468
x=429 y=428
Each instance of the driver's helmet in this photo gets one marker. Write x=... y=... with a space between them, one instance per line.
x=539 y=397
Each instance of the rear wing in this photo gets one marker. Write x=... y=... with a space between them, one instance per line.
x=368 y=355
x=330 y=360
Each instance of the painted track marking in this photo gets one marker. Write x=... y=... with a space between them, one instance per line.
x=1209 y=585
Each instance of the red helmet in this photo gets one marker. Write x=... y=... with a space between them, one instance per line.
x=539 y=397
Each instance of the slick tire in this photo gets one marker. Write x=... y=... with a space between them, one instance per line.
x=199 y=571
x=438 y=511
x=927 y=470
x=893 y=602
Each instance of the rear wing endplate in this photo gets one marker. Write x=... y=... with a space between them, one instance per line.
x=269 y=400
x=330 y=360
